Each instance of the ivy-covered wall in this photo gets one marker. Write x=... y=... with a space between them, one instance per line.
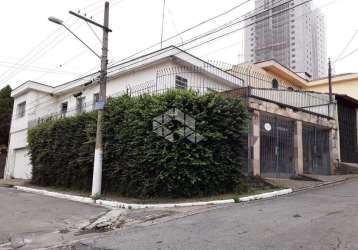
x=139 y=162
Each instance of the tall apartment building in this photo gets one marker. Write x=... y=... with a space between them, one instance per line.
x=293 y=36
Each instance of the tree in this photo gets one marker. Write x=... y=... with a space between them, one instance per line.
x=6 y=105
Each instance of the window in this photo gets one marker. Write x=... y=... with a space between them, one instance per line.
x=21 y=109
x=290 y=88
x=181 y=82
x=95 y=99
x=64 y=108
x=274 y=83
x=80 y=104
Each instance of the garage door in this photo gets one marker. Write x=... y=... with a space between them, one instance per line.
x=316 y=158
x=22 y=168
x=276 y=146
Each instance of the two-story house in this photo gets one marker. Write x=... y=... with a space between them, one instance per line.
x=291 y=132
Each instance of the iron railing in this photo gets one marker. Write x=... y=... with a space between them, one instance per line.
x=314 y=103
x=212 y=77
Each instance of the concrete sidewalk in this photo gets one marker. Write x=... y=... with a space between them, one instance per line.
x=310 y=181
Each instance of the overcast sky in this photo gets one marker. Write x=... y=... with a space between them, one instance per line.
x=32 y=48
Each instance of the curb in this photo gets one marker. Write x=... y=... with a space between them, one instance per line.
x=115 y=204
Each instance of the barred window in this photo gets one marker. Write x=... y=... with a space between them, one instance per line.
x=64 y=108
x=181 y=82
x=80 y=104
x=21 y=109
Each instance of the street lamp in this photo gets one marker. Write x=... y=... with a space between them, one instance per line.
x=60 y=22
x=55 y=20
x=98 y=155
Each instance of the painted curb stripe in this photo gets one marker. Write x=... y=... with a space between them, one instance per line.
x=116 y=204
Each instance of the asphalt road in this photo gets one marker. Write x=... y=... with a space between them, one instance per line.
x=325 y=218
x=25 y=215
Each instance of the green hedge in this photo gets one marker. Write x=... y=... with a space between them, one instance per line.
x=138 y=162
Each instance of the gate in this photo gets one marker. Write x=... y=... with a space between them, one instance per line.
x=316 y=158
x=276 y=146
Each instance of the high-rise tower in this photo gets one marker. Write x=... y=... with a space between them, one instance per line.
x=293 y=36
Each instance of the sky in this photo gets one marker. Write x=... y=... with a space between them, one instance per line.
x=32 y=48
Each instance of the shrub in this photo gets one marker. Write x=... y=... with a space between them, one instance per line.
x=62 y=152
x=138 y=162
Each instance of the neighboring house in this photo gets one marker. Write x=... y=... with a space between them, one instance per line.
x=345 y=88
x=344 y=84
x=291 y=131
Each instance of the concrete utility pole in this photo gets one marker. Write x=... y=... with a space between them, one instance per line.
x=98 y=155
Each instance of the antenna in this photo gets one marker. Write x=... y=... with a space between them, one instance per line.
x=163 y=18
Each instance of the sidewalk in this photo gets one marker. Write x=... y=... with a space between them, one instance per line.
x=310 y=181
x=13 y=182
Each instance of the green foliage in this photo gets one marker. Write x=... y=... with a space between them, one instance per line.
x=62 y=152
x=138 y=162
x=6 y=105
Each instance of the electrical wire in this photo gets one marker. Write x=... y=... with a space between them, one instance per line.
x=346 y=56
x=346 y=47
x=9 y=74
x=263 y=6
x=185 y=31
x=165 y=51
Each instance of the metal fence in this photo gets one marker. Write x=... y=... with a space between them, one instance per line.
x=254 y=78
x=348 y=133
x=207 y=79
x=211 y=78
x=314 y=103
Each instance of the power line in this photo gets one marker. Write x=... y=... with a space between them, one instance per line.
x=38 y=69
x=186 y=30
x=346 y=46
x=348 y=55
x=9 y=74
x=216 y=30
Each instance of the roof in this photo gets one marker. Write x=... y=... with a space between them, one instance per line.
x=347 y=98
x=285 y=73
x=31 y=85
x=335 y=79
x=156 y=57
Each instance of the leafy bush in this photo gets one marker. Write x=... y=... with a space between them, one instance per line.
x=62 y=152
x=139 y=162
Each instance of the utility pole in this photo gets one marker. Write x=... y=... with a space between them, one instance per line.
x=330 y=80
x=98 y=154
x=163 y=18
x=330 y=86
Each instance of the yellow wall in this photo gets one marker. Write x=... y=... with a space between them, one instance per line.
x=345 y=87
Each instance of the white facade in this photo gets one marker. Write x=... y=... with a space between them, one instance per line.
x=152 y=73
x=293 y=36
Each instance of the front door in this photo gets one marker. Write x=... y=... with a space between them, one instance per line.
x=276 y=146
